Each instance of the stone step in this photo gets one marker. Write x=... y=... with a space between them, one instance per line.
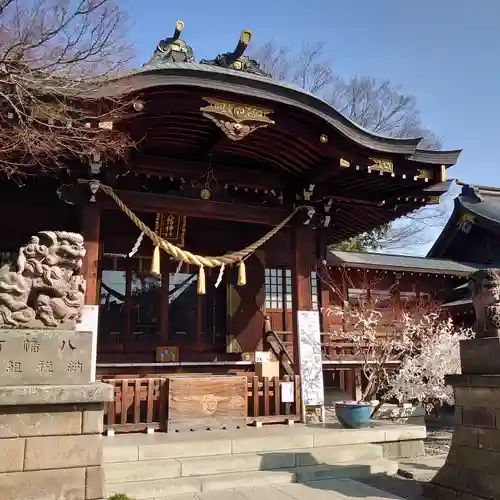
x=331 y=489
x=265 y=440
x=145 y=470
x=154 y=489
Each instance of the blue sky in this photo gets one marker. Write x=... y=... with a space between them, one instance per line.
x=444 y=52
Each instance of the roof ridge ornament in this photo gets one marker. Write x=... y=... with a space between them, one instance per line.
x=172 y=49
x=236 y=60
x=471 y=191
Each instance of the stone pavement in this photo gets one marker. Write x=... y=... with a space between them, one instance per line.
x=332 y=489
x=407 y=484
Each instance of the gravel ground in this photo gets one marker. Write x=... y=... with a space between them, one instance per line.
x=438 y=441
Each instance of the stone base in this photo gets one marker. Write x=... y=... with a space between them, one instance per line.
x=480 y=356
x=473 y=462
x=403 y=449
x=52 y=446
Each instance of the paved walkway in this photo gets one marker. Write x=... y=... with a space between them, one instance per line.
x=334 y=489
x=377 y=487
x=415 y=471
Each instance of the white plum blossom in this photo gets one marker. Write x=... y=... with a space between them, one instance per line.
x=421 y=375
x=379 y=352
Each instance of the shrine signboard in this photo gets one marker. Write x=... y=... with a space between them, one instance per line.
x=311 y=367
x=45 y=357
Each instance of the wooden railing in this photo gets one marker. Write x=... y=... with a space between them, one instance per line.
x=278 y=347
x=141 y=403
x=264 y=400
x=332 y=349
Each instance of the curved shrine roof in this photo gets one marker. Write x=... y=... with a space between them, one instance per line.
x=479 y=203
x=368 y=260
x=204 y=76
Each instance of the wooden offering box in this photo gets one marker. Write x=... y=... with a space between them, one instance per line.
x=206 y=402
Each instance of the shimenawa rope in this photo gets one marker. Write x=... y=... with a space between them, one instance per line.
x=190 y=258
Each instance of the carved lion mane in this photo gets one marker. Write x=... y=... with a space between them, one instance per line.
x=485 y=290
x=44 y=288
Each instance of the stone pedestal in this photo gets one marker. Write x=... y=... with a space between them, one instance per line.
x=51 y=442
x=51 y=416
x=471 y=471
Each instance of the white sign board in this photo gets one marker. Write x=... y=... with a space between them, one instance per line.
x=262 y=357
x=88 y=323
x=287 y=392
x=311 y=368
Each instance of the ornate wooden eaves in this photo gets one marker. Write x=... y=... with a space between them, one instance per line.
x=234 y=119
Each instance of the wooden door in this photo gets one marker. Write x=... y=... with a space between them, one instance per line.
x=246 y=307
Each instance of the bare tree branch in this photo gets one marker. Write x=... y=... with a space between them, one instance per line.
x=309 y=68
x=50 y=50
x=380 y=108
x=375 y=105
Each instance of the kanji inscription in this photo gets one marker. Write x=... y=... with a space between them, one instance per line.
x=75 y=366
x=31 y=345
x=13 y=367
x=45 y=367
x=45 y=357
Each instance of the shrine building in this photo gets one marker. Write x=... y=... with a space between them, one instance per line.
x=224 y=156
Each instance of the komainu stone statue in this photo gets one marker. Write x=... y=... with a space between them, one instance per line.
x=44 y=288
x=485 y=289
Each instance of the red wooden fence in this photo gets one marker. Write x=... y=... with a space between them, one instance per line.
x=141 y=403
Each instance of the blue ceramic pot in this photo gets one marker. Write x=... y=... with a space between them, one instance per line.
x=353 y=415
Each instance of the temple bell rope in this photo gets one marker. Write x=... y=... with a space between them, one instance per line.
x=183 y=256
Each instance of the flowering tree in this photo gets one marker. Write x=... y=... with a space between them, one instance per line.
x=379 y=337
x=380 y=353
x=421 y=375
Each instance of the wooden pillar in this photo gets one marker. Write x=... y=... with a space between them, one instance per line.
x=200 y=303
x=90 y=230
x=303 y=256
x=91 y=225
x=164 y=296
x=128 y=334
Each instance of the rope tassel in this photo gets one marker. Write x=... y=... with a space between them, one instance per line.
x=155 y=262
x=193 y=259
x=201 y=281
x=242 y=274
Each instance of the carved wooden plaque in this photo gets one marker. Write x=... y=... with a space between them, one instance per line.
x=207 y=402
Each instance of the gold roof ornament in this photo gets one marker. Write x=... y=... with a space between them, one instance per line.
x=465 y=222
x=236 y=60
x=424 y=174
x=381 y=165
x=236 y=120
